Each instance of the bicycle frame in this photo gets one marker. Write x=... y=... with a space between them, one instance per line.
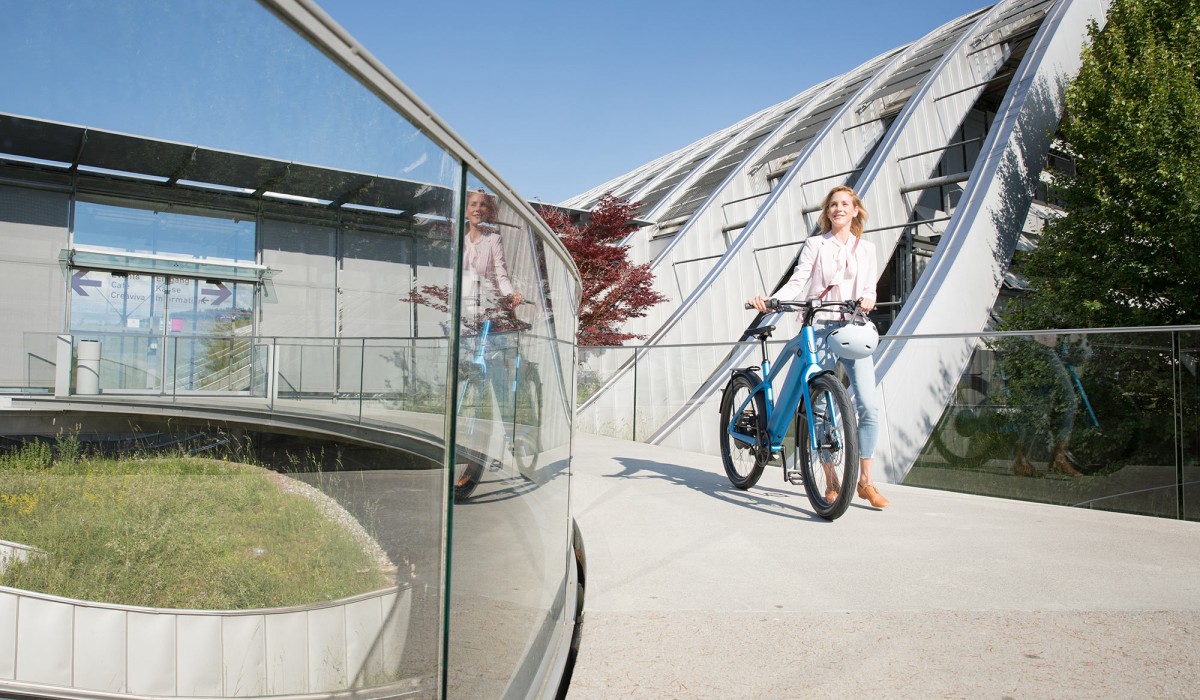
x=799 y=356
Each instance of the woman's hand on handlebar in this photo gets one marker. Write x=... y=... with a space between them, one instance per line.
x=759 y=302
x=866 y=304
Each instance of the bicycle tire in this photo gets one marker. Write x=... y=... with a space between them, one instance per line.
x=836 y=427
x=743 y=461
x=964 y=435
x=474 y=431
x=527 y=427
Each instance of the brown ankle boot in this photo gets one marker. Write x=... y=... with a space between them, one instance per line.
x=871 y=494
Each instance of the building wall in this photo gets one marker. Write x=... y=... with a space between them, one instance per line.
x=33 y=229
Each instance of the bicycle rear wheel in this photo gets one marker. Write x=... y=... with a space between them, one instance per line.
x=965 y=436
x=830 y=469
x=743 y=460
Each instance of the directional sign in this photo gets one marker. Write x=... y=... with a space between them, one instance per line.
x=78 y=282
x=221 y=293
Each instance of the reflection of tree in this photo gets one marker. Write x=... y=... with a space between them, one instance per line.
x=500 y=314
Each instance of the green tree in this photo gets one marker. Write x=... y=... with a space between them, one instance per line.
x=1126 y=252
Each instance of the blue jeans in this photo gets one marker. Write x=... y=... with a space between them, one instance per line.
x=862 y=388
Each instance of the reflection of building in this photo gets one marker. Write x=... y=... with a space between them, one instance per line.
x=233 y=259
x=944 y=139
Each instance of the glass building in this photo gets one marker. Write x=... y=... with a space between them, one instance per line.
x=286 y=372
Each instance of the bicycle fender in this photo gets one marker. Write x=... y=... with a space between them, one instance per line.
x=749 y=374
x=818 y=373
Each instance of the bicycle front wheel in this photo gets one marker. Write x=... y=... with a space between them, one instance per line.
x=743 y=456
x=527 y=426
x=474 y=433
x=829 y=447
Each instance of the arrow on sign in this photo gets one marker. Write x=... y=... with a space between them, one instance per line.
x=78 y=283
x=221 y=293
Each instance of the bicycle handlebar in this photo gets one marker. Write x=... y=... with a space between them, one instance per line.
x=809 y=305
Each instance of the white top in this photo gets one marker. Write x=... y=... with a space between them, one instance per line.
x=850 y=269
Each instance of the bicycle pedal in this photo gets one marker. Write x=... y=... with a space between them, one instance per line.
x=795 y=478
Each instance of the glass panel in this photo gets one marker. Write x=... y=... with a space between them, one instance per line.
x=510 y=542
x=126 y=314
x=309 y=508
x=610 y=412
x=210 y=324
x=129 y=228
x=1081 y=420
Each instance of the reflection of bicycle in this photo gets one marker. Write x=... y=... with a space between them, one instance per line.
x=487 y=399
x=754 y=422
x=983 y=419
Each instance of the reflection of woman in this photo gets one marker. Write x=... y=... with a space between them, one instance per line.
x=1051 y=401
x=485 y=273
x=487 y=290
x=839 y=265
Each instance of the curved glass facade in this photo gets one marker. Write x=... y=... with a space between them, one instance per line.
x=287 y=376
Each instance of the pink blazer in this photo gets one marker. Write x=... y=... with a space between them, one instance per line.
x=852 y=271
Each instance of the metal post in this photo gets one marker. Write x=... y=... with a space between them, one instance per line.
x=272 y=373
x=1177 y=422
x=362 y=372
x=635 y=387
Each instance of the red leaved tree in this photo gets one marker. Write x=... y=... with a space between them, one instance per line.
x=614 y=289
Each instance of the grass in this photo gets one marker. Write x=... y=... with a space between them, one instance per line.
x=172 y=532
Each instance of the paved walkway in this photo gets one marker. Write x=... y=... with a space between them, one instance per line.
x=697 y=590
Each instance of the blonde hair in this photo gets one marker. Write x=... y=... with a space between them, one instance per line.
x=493 y=208
x=856 y=226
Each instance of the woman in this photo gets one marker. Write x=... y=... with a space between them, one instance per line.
x=837 y=266
x=485 y=273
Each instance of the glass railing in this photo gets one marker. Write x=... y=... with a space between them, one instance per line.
x=1106 y=419
x=1101 y=419
x=360 y=377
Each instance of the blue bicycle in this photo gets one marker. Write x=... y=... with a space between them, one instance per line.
x=481 y=407
x=755 y=423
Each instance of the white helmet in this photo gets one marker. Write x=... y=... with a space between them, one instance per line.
x=854 y=341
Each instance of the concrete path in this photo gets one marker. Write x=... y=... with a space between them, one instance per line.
x=698 y=590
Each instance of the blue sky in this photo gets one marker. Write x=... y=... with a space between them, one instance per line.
x=562 y=96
